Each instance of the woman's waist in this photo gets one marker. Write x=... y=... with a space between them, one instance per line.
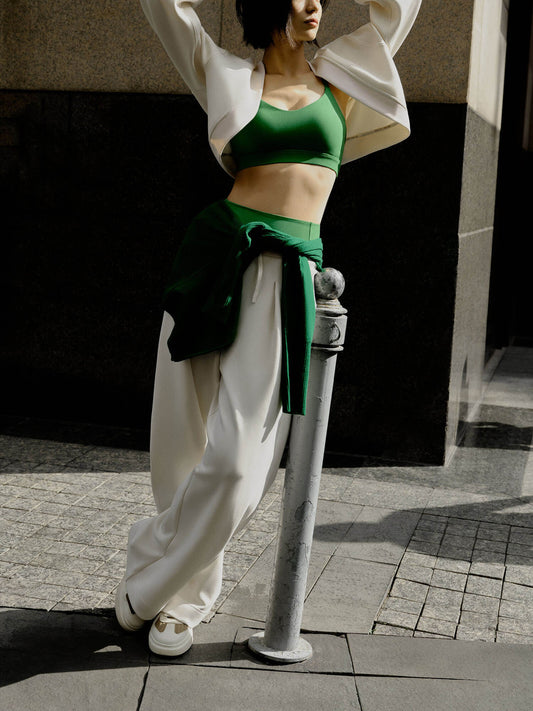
x=300 y=229
x=294 y=191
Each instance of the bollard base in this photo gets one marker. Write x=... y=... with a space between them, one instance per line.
x=302 y=652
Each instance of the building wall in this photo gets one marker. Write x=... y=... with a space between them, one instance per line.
x=105 y=159
x=476 y=216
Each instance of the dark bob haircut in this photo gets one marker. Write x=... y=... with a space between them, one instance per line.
x=260 y=20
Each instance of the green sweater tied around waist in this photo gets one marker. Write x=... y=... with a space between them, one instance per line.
x=204 y=292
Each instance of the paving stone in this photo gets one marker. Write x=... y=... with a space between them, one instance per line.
x=250 y=598
x=334 y=527
x=400 y=657
x=493 y=532
x=79 y=600
x=454 y=553
x=430 y=635
x=517 y=549
x=38 y=518
x=421 y=534
x=386 y=494
x=518 y=560
x=469 y=633
x=453 y=541
x=517 y=610
x=24 y=529
x=378 y=534
x=483 y=586
x=18 y=555
x=402 y=605
x=449 y=580
x=346 y=595
x=521 y=574
x=99 y=584
x=68 y=579
x=397 y=618
x=514 y=591
x=430 y=549
x=493 y=546
x=431 y=524
x=415 y=573
x=516 y=626
x=247 y=547
x=67 y=548
x=333 y=487
x=53 y=533
x=479 y=620
x=409 y=590
x=260 y=690
x=430 y=624
x=488 y=570
x=390 y=630
x=113 y=568
x=479 y=556
x=100 y=553
x=330 y=654
x=84 y=676
x=67 y=563
x=481 y=603
x=422 y=559
x=441 y=597
x=461 y=528
x=521 y=535
x=510 y=638
x=452 y=564
x=442 y=612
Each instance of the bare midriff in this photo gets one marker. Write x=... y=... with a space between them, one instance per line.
x=296 y=190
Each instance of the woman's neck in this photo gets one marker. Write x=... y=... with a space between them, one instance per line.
x=282 y=58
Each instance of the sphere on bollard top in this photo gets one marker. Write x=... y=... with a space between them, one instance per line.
x=329 y=284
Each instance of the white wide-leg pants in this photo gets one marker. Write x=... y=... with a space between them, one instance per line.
x=218 y=434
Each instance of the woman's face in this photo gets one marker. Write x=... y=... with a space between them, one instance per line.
x=305 y=16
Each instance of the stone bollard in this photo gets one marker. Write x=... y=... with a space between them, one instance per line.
x=281 y=641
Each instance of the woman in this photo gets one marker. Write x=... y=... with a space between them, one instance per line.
x=239 y=309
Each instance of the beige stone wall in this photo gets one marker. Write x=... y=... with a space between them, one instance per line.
x=107 y=45
x=95 y=45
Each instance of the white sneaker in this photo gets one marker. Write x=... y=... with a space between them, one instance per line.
x=126 y=617
x=169 y=637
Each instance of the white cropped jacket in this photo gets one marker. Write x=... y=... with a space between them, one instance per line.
x=229 y=88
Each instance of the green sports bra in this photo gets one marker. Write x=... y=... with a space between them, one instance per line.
x=314 y=134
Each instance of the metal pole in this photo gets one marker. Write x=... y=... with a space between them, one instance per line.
x=281 y=639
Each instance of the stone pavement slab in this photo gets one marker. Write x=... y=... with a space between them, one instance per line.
x=331 y=655
x=63 y=689
x=249 y=599
x=170 y=687
x=441 y=659
x=346 y=596
x=68 y=661
x=419 y=674
x=393 y=694
x=379 y=534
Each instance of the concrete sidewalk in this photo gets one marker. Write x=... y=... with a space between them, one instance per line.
x=420 y=590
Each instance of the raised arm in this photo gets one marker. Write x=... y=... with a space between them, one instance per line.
x=361 y=65
x=186 y=42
